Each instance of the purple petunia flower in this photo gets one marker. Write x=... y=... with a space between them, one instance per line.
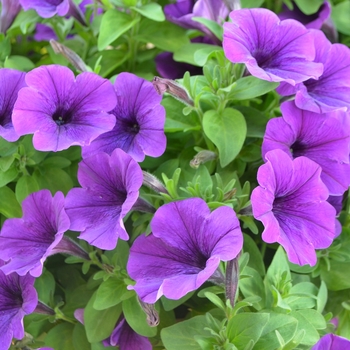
x=332 y=90
x=323 y=138
x=291 y=202
x=314 y=21
x=28 y=241
x=50 y=8
x=110 y=188
x=11 y=81
x=18 y=298
x=126 y=338
x=62 y=110
x=184 y=250
x=140 y=118
x=332 y=342
x=271 y=49
x=9 y=11
x=182 y=12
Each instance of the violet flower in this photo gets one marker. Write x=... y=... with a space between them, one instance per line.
x=291 y=202
x=271 y=49
x=332 y=342
x=126 y=338
x=331 y=90
x=182 y=12
x=323 y=138
x=11 y=81
x=26 y=243
x=184 y=250
x=9 y=11
x=314 y=21
x=50 y=8
x=18 y=298
x=62 y=110
x=110 y=188
x=140 y=118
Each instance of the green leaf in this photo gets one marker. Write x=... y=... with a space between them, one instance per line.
x=251 y=3
x=24 y=20
x=213 y=26
x=54 y=179
x=338 y=277
x=181 y=335
x=164 y=35
x=243 y=328
x=152 y=11
x=45 y=286
x=186 y=53
x=310 y=321
x=309 y=7
x=284 y=324
x=25 y=186
x=322 y=297
x=8 y=175
x=136 y=318
x=114 y=24
x=175 y=120
x=170 y=304
x=247 y=88
x=256 y=121
x=100 y=324
x=278 y=267
x=19 y=63
x=255 y=258
x=57 y=162
x=60 y=337
x=227 y=131
x=110 y=293
x=201 y=56
x=79 y=338
x=9 y=206
x=340 y=16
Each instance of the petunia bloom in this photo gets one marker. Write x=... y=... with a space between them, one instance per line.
x=11 y=81
x=332 y=89
x=291 y=202
x=50 y=8
x=182 y=12
x=126 y=338
x=110 y=188
x=314 y=21
x=184 y=250
x=271 y=49
x=323 y=138
x=26 y=243
x=18 y=298
x=140 y=118
x=332 y=342
x=61 y=110
x=9 y=11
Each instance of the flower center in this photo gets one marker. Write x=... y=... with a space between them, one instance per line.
x=62 y=116
x=298 y=149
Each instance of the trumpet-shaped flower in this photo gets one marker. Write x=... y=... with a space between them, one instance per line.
x=323 y=138
x=18 y=298
x=47 y=8
x=271 y=49
x=331 y=90
x=140 y=118
x=184 y=250
x=26 y=243
x=11 y=81
x=291 y=202
x=110 y=188
x=61 y=110
x=9 y=11
x=332 y=342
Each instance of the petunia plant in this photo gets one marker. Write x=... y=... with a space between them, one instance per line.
x=174 y=174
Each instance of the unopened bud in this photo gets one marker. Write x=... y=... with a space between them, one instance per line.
x=69 y=55
x=153 y=183
x=201 y=158
x=172 y=88
x=152 y=316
